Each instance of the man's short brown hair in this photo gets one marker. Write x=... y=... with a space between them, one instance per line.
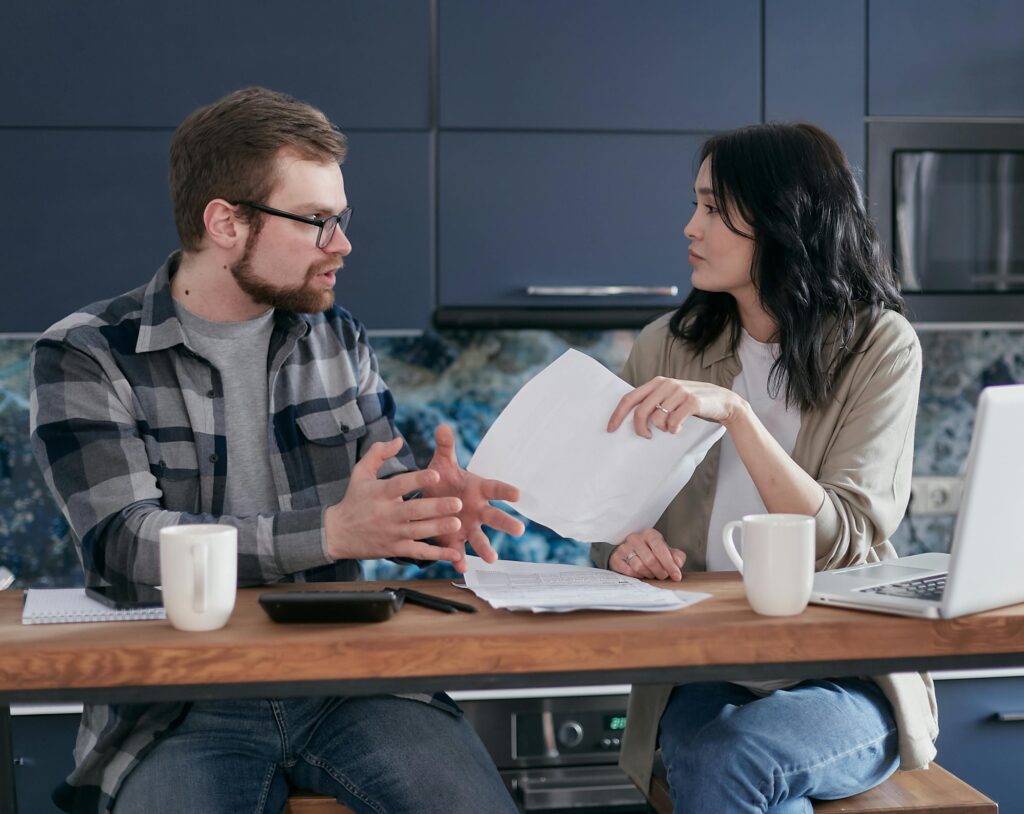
x=227 y=150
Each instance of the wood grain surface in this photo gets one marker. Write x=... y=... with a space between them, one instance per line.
x=418 y=642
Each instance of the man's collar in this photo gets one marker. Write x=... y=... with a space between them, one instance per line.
x=160 y=328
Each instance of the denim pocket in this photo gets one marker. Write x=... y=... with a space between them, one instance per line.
x=438 y=700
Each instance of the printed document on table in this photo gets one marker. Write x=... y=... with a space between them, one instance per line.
x=575 y=477
x=540 y=587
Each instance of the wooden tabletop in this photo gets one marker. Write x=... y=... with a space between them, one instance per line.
x=421 y=649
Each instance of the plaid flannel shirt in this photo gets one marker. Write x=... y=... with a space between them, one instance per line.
x=128 y=427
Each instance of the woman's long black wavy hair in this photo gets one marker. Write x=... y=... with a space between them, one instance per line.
x=818 y=268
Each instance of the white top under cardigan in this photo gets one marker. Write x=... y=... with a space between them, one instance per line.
x=736 y=495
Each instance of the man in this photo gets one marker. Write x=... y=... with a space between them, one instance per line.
x=231 y=389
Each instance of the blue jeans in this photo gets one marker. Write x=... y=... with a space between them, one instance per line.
x=377 y=754
x=729 y=750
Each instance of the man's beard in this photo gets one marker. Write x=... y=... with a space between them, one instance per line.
x=304 y=298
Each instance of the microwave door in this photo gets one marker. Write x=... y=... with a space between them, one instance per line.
x=958 y=221
x=915 y=181
x=1009 y=215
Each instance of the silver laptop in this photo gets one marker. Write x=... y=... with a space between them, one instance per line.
x=985 y=568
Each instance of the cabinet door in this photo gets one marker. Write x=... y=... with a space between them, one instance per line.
x=600 y=64
x=66 y=63
x=814 y=68
x=43 y=746
x=946 y=58
x=388 y=280
x=571 y=209
x=87 y=216
x=975 y=744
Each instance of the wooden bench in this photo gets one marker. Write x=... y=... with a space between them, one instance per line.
x=933 y=790
x=305 y=802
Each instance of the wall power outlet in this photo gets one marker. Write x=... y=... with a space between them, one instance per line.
x=934 y=494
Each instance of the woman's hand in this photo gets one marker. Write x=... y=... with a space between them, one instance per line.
x=665 y=403
x=646 y=555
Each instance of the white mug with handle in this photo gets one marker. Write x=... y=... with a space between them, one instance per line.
x=777 y=562
x=199 y=574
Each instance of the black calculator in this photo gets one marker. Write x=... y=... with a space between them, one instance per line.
x=330 y=606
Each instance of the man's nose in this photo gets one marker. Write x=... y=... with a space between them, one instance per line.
x=339 y=243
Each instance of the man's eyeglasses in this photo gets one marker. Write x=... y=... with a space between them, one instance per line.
x=325 y=225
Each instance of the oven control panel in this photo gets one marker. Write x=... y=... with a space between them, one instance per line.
x=550 y=734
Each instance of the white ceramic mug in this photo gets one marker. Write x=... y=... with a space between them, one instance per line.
x=777 y=562
x=199 y=574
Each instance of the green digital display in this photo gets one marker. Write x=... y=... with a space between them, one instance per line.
x=615 y=723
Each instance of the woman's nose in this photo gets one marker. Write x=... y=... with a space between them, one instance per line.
x=691 y=230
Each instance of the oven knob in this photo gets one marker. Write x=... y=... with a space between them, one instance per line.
x=570 y=734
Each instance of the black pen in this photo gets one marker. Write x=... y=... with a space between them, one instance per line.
x=435 y=602
x=462 y=606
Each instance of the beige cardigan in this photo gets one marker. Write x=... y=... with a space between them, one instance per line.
x=859 y=449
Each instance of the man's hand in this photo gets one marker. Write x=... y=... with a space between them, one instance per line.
x=646 y=555
x=373 y=521
x=475 y=494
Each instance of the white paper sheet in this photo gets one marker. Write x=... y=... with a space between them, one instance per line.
x=576 y=477
x=541 y=587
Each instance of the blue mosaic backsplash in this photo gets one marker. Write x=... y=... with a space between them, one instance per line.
x=465 y=379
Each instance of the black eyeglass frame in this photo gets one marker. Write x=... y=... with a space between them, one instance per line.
x=321 y=223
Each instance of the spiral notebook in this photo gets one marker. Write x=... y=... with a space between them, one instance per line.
x=50 y=606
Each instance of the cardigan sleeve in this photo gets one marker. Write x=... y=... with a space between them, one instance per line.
x=867 y=467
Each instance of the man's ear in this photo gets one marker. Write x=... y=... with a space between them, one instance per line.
x=223 y=227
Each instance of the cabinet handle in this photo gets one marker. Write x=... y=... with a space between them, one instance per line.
x=602 y=290
x=1008 y=716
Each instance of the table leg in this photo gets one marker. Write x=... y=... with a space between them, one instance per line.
x=8 y=799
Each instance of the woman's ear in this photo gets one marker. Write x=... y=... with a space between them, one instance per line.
x=223 y=226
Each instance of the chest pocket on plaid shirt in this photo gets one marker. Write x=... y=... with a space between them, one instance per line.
x=332 y=446
x=176 y=468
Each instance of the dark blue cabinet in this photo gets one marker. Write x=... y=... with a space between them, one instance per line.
x=946 y=58
x=563 y=209
x=814 y=56
x=119 y=64
x=981 y=735
x=87 y=216
x=43 y=757
x=93 y=219
x=565 y=130
x=600 y=64
x=388 y=280
x=92 y=93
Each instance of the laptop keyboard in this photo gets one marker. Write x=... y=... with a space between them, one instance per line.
x=920 y=588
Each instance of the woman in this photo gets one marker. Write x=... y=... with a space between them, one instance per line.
x=793 y=339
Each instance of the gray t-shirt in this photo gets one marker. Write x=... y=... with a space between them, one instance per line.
x=239 y=352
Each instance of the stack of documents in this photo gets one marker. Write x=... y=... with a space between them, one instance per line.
x=541 y=587
x=574 y=476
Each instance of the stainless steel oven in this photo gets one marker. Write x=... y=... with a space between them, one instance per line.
x=948 y=198
x=557 y=750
